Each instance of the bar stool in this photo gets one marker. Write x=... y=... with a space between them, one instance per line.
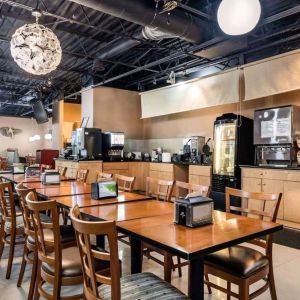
x=112 y=286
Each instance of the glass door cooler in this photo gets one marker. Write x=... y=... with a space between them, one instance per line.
x=233 y=146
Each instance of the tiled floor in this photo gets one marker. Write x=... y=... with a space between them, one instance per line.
x=286 y=262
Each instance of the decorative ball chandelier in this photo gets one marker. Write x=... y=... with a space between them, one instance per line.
x=237 y=17
x=35 y=48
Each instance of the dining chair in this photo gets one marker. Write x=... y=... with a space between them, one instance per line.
x=161 y=190
x=30 y=250
x=112 y=286
x=125 y=183
x=82 y=175
x=242 y=265
x=12 y=226
x=102 y=175
x=58 y=264
x=62 y=171
x=184 y=188
x=45 y=167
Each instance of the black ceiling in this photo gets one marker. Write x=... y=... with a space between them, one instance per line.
x=84 y=32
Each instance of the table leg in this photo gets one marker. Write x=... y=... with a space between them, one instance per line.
x=100 y=240
x=196 y=280
x=136 y=256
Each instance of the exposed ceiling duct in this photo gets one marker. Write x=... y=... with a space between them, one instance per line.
x=122 y=45
x=177 y=23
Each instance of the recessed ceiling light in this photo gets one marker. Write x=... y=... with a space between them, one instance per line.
x=237 y=17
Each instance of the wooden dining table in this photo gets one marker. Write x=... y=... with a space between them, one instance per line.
x=129 y=210
x=73 y=188
x=191 y=244
x=18 y=178
x=87 y=201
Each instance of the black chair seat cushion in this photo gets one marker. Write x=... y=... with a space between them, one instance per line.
x=71 y=263
x=238 y=260
x=143 y=286
x=67 y=233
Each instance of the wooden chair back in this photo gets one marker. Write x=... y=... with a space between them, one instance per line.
x=184 y=188
x=22 y=192
x=45 y=167
x=84 y=230
x=30 y=160
x=159 y=189
x=62 y=171
x=49 y=250
x=102 y=175
x=3 y=163
x=7 y=203
x=82 y=175
x=264 y=212
x=125 y=183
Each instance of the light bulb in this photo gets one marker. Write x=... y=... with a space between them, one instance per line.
x=37 y=137
x=31 y=139
x=237 y=17
x=48 y=136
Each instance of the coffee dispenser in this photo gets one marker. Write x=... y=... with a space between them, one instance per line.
x=113 y=145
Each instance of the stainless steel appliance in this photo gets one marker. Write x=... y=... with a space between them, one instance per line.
x=276 y=131
x=233 y=146
x=197 y=143
x=89 y=143
x=113 y=145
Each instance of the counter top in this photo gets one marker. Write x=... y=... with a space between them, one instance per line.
x=271 y=167
x=78 y=160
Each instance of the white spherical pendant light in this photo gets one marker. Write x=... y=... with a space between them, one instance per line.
x=35 y=48
x=237 y=17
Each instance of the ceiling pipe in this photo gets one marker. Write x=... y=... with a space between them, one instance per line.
x=144 y=13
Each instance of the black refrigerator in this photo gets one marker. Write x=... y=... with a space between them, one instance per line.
x=233 y=147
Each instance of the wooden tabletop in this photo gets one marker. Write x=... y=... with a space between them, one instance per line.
x=187 y=242
x=17 y=178
x=130 y=210
x=75 y=188
x=40 y=185
x=86 y=200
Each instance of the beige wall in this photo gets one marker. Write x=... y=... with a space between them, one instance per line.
x=114 y=110
x=21 y=141
x=200 y=122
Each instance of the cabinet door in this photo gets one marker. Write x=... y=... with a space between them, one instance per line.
x=252 y=185
x=272 y=186
x=292 y=201
x=194 y=179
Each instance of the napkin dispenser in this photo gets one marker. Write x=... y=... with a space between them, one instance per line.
x=104 y=189
x=194 y=210
x=33 y=172
x=50 y=178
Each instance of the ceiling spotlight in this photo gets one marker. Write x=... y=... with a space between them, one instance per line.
x=48 y=136
x=237 y=17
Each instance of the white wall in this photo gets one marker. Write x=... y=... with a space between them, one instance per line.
x=21 y=141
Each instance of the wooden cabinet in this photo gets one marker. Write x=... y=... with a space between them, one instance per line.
x=121 y=168
x=74 y=166
x=140 y=170
x=276 y=181
x=292 y=201
x=200 y=175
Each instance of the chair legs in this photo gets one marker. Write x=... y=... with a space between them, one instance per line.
x=272 y=283
x=2 y=236
x=33 y=276
x=244 y=291
x=208 y=287
x=23 y=266
x=11 y=252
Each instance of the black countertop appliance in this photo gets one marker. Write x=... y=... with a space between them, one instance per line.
x=113 y=145
x=89 y=143
x=233 y=146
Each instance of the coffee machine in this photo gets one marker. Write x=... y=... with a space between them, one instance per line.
x=113 y=145
x=197 y=143
x=89 y=143
x=276 y=131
